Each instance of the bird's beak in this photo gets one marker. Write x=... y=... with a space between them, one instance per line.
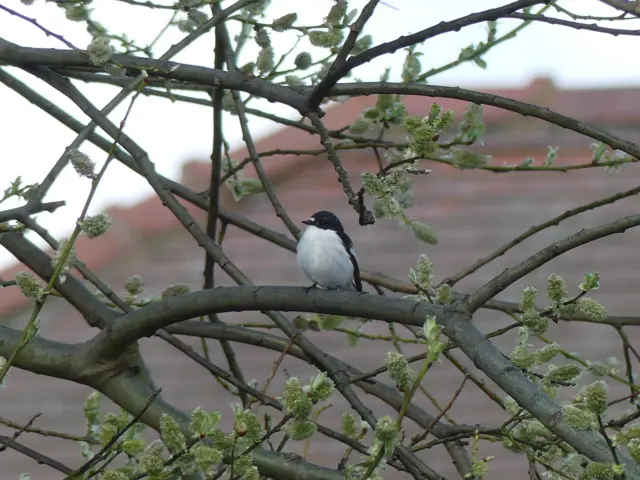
x=307 y=222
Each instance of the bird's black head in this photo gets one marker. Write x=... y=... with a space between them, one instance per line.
x=325 y=220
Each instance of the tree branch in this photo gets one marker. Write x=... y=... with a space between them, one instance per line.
x=456 y=326
x=511 y=275
x=43 y=356
x=29 y=209
x=365 y=217
x=452 y=280
x=504 y=103
x=624 y=6
x=439 y=29
x=333 y=76
x=15 y=55
x=577 y=25
x=37 y=456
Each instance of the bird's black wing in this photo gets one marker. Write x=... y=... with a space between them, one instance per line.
x=348 y=245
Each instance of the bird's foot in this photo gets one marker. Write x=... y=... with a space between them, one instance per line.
x=307 y=289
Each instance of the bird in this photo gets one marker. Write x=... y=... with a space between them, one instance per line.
x=326 y=256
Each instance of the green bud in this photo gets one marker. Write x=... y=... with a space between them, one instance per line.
x=400 y=371
x=337 y=13
x=265 y=61
x=176 y=290
x=206 y=457
x=29 y=286
x=511 y=406
x=360 y=126
x=196 y=18
x=135 y=285
x=330 y=322
x=295 y=400
x=424 y=232
x=303 y=60
x=534 y=321
x=293 y=80
x=573 y=464
x=319 y=38
x=252 y=429
x=262 y=38
x=386 y=429
x=434 y=111
x=632 y=433
x=202 y=422
x=388 y=207
x=634 y=449
x=528 y=298
x=447 y=120
x=467 y=160
x=480 y=468
x=608 y=367
x=251 y=186
x=596 y=397
x=423 y=133
x=547 y=353
x=132 y=446
x=171 y=434
x=151 y=461
x=426 y=271
x=592 y=309
x=94 y=226
x=521 y=357
x=247 y=68
x=349 y=424
x=322 y=387
x=76 y=13
x=577 y=417
x=114 y=475
x=285 y=22
x=444 y=294
x=471 y=127
x=100 y=51
x=565 y=373
x=81 y=163
x=556 y=289
x=302 y=429
x=599 y=471
x=362 y=44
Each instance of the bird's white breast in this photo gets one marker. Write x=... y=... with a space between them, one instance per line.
x=322 y=257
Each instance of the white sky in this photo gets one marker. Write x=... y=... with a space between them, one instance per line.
x=31 y=141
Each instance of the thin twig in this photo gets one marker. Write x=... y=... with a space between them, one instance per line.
x=456 y=394
x=37 y=456
x=96 y=458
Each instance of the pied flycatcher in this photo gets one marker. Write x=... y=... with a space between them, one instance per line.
x=325 y=254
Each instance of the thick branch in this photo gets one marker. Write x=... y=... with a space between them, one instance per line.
x=456 y=326
x=42 y=356
x=18 y=56
x=95 y=312
x=29 y=209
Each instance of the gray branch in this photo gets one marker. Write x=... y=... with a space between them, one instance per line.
x=457 y=326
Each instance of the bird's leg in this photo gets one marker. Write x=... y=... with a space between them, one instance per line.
x=315 y=284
